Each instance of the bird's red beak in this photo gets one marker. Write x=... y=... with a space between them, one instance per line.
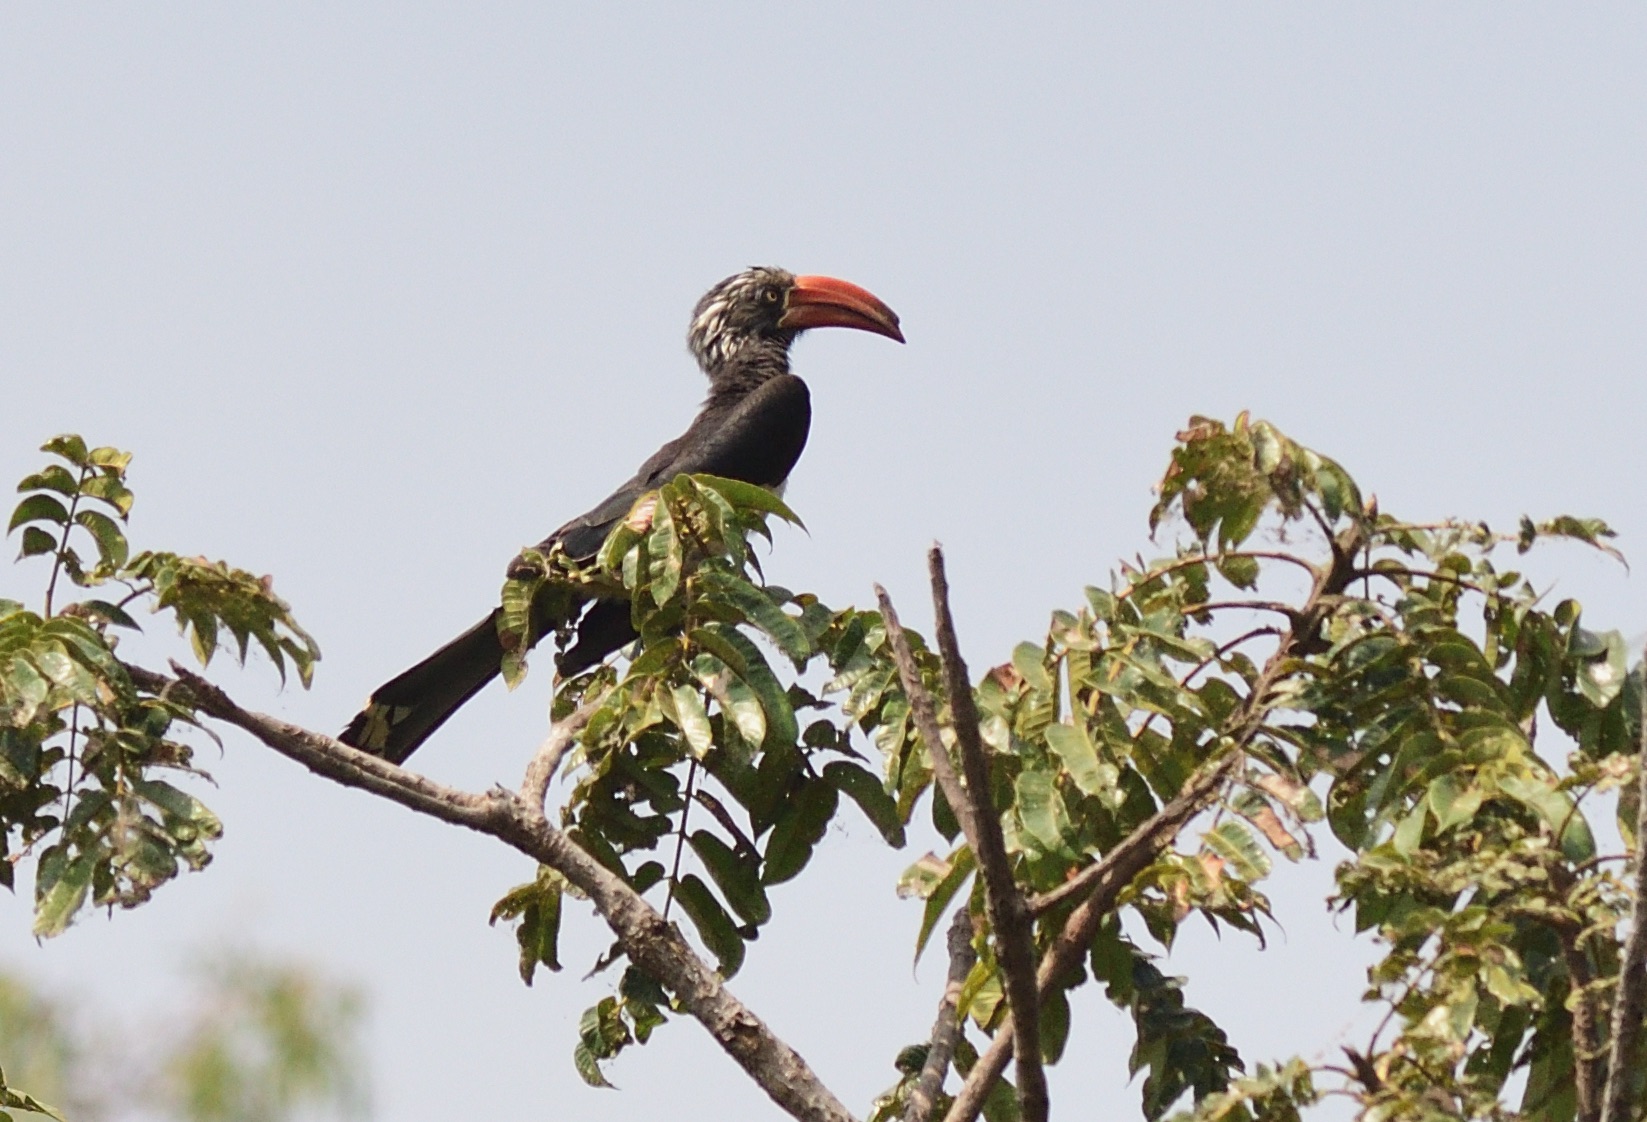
x=827 y=302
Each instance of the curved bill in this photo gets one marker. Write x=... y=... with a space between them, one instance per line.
x=827 y=302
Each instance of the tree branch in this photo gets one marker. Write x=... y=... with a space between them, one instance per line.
x=1630 y=1004
x=652 y=944
x=1589 y=1051
x=534 y=787
x=946 y=1030
x=1009 y=916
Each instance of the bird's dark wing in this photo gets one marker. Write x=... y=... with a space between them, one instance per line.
x=756 y=440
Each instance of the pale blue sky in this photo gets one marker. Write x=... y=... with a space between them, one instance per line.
x=377 y=294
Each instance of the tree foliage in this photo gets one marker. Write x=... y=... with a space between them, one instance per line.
x=1297 y=661
x=87 y=758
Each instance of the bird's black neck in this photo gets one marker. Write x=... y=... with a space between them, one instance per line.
x=746 y=369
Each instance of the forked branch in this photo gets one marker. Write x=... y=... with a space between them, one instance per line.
x=652 y=944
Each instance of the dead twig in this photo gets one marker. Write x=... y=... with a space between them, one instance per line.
x=1009 y=915
x=925 y=716
x=946 y=1030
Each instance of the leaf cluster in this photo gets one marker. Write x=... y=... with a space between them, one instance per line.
x=1382 y=676
x=88 y=759
x=702 y=716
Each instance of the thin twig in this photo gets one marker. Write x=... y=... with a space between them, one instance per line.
x=1009 y=915
x=946 y=1030
x=653 y=945
x=680 y=837
x=1390 y=572
x=1239 y=605
x=63 y=544
x=925 y=716
x=1630 y=1003
x=1148 y=574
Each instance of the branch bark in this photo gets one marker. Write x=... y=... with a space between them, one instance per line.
x=925 y=716
x=1589 y=1051
x=534 y=787
x=1630 y=1003
x=651 y=943
x=946 y=1030
x=1009 y=915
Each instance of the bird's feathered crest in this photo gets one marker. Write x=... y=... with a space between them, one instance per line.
x=743 y=308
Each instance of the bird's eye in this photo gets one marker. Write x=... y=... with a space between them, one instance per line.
x=771 y=296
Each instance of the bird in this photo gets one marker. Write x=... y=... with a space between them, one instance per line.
x=752 y=428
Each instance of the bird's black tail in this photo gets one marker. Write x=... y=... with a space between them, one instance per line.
x=404 y=711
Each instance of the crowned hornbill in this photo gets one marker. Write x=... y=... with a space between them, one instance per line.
x=752 y=428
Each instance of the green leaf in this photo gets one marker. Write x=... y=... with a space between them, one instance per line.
x=937 y=881
x=69 y=446
x=1602 y=672
x=1029 y=660
x=1239 y=570
x=108 y=489
x=736 y=699
x=720 y=935
x=736 y=875
x=800 y=826
x=1042 y=811
x=872 y=798
x=1453 y=800
x=1409 y=832
x=756 y=607
x=12 y=1097
x=665 y=558
x=112 y=460
x=35 y=542
x=693 y=720
x=1232 y=841
x=751 y=666
x=1557 y=810
x=113 y=613
x=179 y=805
x=112 y=549
x=27 y=687
x=536 y=909
x=588 y=1067
x=750 y=497
x=59 y=895
x=1054 y=1025
x=53 y=477
x=1079 y=756
x=38 y=507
